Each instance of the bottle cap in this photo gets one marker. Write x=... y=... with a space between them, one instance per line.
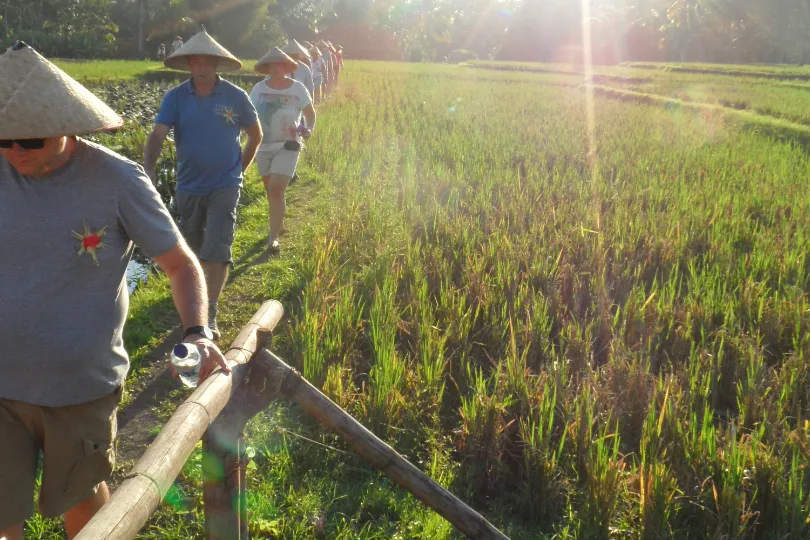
x=181 y=350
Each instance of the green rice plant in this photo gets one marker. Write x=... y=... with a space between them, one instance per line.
x=388 y=370
x=481 y=437
x=604 y=482
x=657 y=485
x=542 y=492
x=794 y=512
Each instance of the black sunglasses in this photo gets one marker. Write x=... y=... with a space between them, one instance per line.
x=27 y=144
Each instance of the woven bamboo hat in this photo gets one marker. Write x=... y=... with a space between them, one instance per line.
x=275 y=56
x=202 y=44
x=38 y=100
x=293 y=47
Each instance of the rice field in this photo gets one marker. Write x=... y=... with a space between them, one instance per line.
x=588 y=318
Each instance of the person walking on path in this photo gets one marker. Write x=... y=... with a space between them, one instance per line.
x=304 y=73
x=208 y=115
x=326 y=58
x=329 y=60
x=338 y=63
x=317 y=74
x=161 y=52
x=70 y=211
x=280 y=102
x=176 y=44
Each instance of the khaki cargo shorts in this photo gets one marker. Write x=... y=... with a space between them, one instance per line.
x=77 y=444
x=208 y=222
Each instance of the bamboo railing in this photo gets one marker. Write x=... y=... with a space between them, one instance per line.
x=218 y=411
x=150 y=479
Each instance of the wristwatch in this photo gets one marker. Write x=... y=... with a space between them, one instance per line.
x=204 y=331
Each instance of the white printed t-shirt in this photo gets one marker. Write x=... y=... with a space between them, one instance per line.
x=279 y=112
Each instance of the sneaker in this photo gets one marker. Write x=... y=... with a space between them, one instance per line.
x=274 y=247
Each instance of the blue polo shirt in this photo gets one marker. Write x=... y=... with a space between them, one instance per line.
x=206 y=134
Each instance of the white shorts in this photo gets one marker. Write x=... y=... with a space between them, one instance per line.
x=277 y=161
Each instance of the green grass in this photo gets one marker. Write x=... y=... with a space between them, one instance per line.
x=786 y=101
x=104 y=71
x=588 y=321
x=737 y=70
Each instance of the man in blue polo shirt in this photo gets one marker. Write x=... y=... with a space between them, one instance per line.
x=207 y=114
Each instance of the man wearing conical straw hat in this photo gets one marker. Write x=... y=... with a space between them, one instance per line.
x=70 y=211
x=303 y=74
x=208 y=115
x=280 y=102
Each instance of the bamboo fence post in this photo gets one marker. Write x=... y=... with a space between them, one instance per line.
x=377 y=452
x=150 y=479
x=225 y=462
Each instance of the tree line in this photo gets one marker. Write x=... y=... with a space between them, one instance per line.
x=733 y=31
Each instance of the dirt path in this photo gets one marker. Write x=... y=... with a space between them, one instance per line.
x=155 y=394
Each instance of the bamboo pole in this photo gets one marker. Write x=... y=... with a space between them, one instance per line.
x=378 y=453
x=138 y=496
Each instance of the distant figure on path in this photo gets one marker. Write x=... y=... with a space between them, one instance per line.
x=208 y=115
x=161 y=52
x=176 y=44
x=304 y=73
x=70 y=211
x=280 y=102
x=338 y=63
x=331 y=63
x=317 y=74
x=326 y=56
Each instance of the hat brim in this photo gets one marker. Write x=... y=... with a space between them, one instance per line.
x=224 y=64
x=202 y=44
x=39 y=100
x=264 y=67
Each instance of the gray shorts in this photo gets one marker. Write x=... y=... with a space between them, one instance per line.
x=279 y=161
x=77 y=445
x=208 y=222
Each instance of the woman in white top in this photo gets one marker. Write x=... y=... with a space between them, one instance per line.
x=280 y=102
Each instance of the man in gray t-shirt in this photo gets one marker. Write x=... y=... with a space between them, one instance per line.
x=71 y=212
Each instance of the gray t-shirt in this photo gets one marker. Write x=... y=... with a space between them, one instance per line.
x=62 y=313
x=304 y=75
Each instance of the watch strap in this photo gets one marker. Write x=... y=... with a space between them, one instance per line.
x=201 y=330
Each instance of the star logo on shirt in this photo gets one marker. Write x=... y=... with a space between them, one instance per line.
x=90 y=242
x=228 y=114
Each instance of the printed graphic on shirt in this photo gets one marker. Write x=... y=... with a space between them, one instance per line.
x=227 y=112
x=279 y=114
x=90 y=241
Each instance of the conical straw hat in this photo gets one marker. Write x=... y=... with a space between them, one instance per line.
x=275 y=55
x=315 y=50
x=38 y=100
x=204 y=45
x=293 y=47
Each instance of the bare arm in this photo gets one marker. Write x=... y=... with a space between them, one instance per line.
x=254 y=139
x=191 y=300
x=309 y=116
x=152 y=148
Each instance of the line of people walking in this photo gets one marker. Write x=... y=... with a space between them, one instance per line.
x=72 y=212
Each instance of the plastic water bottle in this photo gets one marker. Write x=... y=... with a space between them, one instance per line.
x=186 y=361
